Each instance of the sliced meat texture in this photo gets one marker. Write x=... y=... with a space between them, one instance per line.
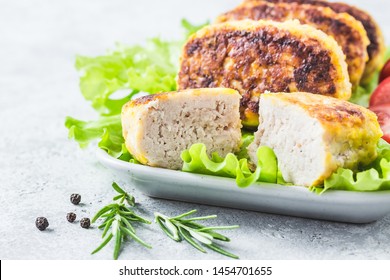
x=314 y=135
x=254 y=57
x=157 y=128
x=376 y=49
x=345 y=29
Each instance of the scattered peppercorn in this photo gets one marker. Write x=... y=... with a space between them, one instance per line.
x=71 y=217
x=75 y=198
x=41 y=223
x=85 y=223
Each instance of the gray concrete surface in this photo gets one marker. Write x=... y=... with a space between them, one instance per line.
x=40 y=167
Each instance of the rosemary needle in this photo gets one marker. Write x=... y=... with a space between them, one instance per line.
x=117 y=223
x=179 y=228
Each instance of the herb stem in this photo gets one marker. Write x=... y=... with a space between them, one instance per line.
x=118 y=219
x=178 y=229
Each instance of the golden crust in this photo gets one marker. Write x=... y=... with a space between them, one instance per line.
x=165 y=95
x=345 y=29
x=146 y=99
x=376 y=49
x=330 y=111
x=258 y=56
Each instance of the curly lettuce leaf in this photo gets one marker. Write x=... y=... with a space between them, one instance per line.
x=375 y=177
x=125 y=155
x=246 y=139
x=383 y=150
x=196 y=160
x=107 y=129
x=364 y=181
x=148 y=68
x=151 y=68
x=361 y=96
x=86 y=131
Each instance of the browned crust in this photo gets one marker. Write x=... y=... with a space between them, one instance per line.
x=253 y=62
x=375 y=49
x=147 y=99
x=333 y=113
x=329 y=110
x=346 y=30
x=165 y=95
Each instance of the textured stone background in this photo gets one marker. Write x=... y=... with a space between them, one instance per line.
x=40 y=168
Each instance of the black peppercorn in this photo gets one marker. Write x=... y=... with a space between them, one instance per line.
x=85 y=223
x=41 y=223
x=71 y=217
x=75 y=198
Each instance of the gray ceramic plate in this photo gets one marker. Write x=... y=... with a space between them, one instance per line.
x=341 y=206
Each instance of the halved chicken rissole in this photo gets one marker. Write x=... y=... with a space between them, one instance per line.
x=258 y=56
x=314 y=135
x=157 y=128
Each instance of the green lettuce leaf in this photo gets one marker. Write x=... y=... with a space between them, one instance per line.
x=362 y=94
x=86 y=131
x=151 y=68
x=125 y=155
x=107 y=129
x=148 y=68
x=246 y=139
x=364 y=181
x=196 y=160
x=375 y=177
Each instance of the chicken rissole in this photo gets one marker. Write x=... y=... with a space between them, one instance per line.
x=314 y=135
x=157 y=128
x=345 y=29
x=376 y=49
x=258 y=56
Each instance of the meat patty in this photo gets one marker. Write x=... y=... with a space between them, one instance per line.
x=258 y=56
x=157 y=128
x=313 y=135
x=345 y=29
x=376 y=48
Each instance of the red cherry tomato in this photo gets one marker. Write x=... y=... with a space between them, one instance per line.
x=385 y=73
x=381 y=95
x=383 y=113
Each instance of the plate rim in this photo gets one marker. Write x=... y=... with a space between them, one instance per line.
x=102 y=155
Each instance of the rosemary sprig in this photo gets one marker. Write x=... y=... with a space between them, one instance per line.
x=178 y=228
x=122 y=196
x=117 y=223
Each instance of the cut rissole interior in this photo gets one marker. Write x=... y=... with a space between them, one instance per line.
x=157 y=128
